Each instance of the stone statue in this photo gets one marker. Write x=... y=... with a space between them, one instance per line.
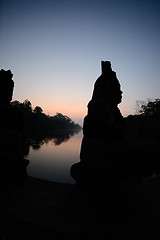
x=104 y=119
x=101 y=159
x=108 y=174
x=13 y=145
x=7 y=86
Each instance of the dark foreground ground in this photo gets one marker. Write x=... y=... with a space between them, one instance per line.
x=40 y=209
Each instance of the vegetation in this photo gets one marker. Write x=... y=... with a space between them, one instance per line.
x=146 y=123
x=35 y=122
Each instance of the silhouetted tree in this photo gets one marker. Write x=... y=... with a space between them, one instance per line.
x=27 y=105
x=16 y=104
x=38 y=123
x=151 y=108
x=139 y=104
x=145 y=124
x=37 y=110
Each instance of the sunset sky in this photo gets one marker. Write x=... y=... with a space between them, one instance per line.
x=54 y=49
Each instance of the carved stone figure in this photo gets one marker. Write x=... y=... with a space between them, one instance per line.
x=102 y=156
x=108 y=174
x=12 y=142
x=7 y=86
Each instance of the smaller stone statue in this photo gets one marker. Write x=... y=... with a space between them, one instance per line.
x=7 y=86
x=13 y=145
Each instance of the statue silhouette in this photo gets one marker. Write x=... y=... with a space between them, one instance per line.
x=104 y=118
x=111 y=168
x=101 y=158
x=13 y=144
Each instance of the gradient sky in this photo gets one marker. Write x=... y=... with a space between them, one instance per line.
x=54 y=49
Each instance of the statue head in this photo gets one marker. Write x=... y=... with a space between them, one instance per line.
x=107 y=86
x=112 y=91
x=106 y=67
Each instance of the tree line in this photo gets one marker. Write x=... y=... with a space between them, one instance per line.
x=35 y=122
x=146 y=122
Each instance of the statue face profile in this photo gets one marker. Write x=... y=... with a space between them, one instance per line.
x=106 y=67
x=114 y=95
x=119 y=97
x=113 y=91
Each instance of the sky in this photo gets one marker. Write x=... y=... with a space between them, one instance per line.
x=54 y=49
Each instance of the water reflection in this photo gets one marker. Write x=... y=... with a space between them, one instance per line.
x=51 y=158
x=59 y=137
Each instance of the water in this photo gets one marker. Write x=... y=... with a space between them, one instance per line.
x=52 y=159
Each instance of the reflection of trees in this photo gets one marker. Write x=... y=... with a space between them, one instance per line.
x=63 y=136
x=58 y=141
x=36 y=143
x=59 y=137
x=41 y=128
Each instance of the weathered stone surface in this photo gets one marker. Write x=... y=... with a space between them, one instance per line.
x=104 y=153
x=7 y=85
x=12 y=142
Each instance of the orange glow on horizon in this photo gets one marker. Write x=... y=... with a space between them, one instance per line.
x=78 y=111
x=71 y=112
x=69 y=107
